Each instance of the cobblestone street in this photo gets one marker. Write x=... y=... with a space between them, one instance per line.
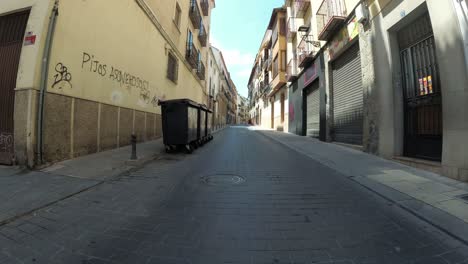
x=242 y=198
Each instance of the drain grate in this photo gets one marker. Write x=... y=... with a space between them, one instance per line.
x=222 y=179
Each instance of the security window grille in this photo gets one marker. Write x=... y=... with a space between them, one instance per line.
x=177 y=15
x=172 y=68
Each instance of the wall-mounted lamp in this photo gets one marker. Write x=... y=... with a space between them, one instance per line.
x=305 y=35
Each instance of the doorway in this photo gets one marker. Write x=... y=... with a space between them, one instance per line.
x=421 y=90
x=12 y=29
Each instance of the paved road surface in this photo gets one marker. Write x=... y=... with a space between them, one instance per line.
x=240 y=199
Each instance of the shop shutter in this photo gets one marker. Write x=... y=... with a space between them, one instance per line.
x=313 y=110
x=348 y=98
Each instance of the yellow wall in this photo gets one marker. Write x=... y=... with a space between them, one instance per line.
x=117 y=55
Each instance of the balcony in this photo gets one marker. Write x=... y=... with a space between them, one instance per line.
x=291 y=71
x=330 y=16
x=292 y=26
x=305 y=51
x=202 y=36
x=194 y=14
x=201 y=71
x=205 y=6
x=191 y=55
x=301 y=6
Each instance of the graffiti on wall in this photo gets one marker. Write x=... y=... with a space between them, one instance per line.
x=6 y=142
x=124 y=79
x=62 y=77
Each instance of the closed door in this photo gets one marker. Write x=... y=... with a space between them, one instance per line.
x=313 y=110
x=422 y=91
x=348 y=98
x=12 y=28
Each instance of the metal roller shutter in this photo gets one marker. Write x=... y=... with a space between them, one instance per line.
x=313 y=111
x=348 y=101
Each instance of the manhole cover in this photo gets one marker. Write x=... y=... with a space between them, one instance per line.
x=464 y=197
x=222 y=179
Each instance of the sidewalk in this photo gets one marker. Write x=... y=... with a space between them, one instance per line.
x=434 y=198
x=22 y=192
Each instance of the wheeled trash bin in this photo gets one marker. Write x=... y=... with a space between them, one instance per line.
x=202 y=124
x=208 y=125
x=180 y=124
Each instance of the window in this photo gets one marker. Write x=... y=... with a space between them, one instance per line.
x=275 y=67
x=283 y=26
x=283 y=60
x=172 y=67
x=189 y=41
x=177 y=15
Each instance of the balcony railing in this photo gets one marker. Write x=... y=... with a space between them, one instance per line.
x=201 y=71
x=306 y=51
x=191 y=55
x=194 y=14
x=293 y=25
x=202 y=36
x=291 y=71
x=330 y=16
x=205 y=6
x=301 y=6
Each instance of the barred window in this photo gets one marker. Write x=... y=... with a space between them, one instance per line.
x=172 y=67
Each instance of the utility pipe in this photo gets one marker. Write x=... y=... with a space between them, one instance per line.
x=43 y=84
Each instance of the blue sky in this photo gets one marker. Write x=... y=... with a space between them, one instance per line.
x=237 y=27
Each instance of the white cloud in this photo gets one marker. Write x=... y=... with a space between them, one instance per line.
x=237 y=58
x=243 y=73
x=233 y=57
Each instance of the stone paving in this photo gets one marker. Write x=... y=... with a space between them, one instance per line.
x=243 y=198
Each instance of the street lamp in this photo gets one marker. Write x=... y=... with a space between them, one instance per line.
x=305 y=35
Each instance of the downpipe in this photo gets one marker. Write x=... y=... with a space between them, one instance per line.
x=461 y=9
x=43 y=84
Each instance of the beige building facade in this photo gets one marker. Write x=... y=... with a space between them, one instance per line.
x=268 y=92
x=384 y=76
x=89 y=77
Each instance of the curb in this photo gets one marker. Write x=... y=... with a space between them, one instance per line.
x=441 y=220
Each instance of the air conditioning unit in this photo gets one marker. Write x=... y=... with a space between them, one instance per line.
x=362 y=13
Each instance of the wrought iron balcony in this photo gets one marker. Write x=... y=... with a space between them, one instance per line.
x=330 y=16
x=191 y=55
x=205 y=6
x=194 y=14
x=306 y=51
x=201 y=71
x=301 y=6
x=292 y=26
x=202 y=36
x=291 y=71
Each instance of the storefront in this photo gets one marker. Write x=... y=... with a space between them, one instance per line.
x=307 y=109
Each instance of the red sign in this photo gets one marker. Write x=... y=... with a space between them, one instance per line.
x=310 y=75
x=30 y=39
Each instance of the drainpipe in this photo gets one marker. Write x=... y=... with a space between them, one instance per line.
x=461 y=8
x=43 y=84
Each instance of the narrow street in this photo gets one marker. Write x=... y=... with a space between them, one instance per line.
x=242 y=198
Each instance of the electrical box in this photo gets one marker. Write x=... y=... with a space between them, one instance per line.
x=362 y=14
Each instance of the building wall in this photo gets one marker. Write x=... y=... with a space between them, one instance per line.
x=388 y=17
x=107 y=72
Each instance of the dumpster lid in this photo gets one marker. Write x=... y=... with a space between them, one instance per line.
x=180 y=101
